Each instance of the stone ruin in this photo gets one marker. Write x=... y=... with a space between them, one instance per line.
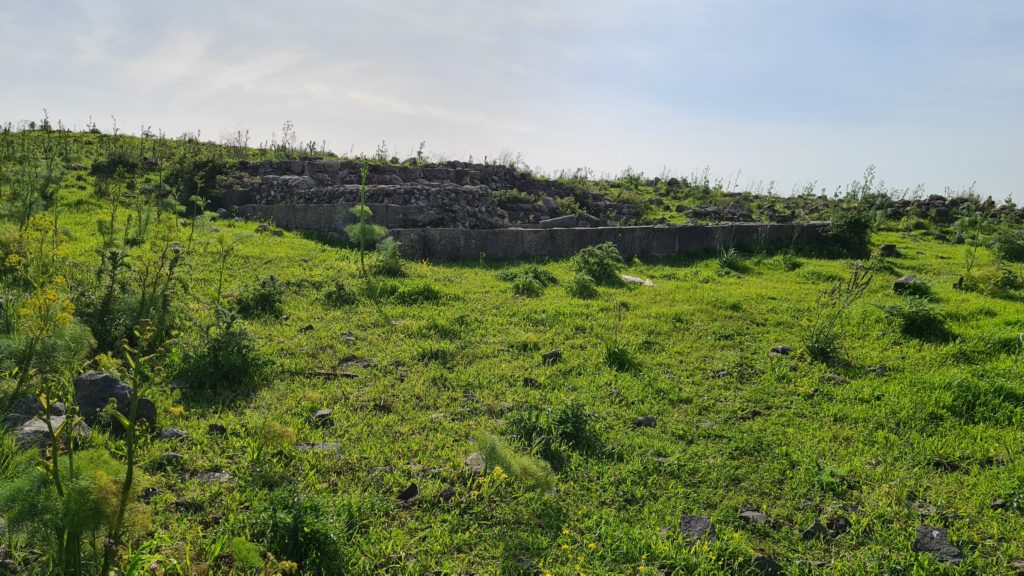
x=450 y=195
x=465 y=211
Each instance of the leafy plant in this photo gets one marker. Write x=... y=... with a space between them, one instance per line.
x=917 y=318
x=603 y=263
x=388 y=261
x=341 y=295
x=225 y=354
x=581 y=286
x=265 y=298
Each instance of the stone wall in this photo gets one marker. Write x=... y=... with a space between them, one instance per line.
x=533 y=243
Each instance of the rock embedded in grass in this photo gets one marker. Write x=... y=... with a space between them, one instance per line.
x=754 y=517
x=322 y=417
x=35 y=434
x=933 y=541
x=93 y=391
x=216 y=429
x=697 y=528
x=766 y=565
x=475 y=463
x=172 y=434
x=816 y=530
x=780 y=351
x=214 y=477
x=645 y=422
x=888 y=251
x=409 y=493
x=552 y=357
x=902 y=284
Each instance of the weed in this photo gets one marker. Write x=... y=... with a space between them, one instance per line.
x=341 y=295
x=553 y=432
x=529 y=280
x=532 y=472
x=917 y=318
x=824 y=332
x=263 y=299
x=581 y=286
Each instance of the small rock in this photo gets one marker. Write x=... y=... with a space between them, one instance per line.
x=765 y=565
x=322 y=417
x=816 y=530
x=531 y=382
x=887 y=251
x=318 y=446
x=306 y=329
x=1018 y=567
x=475 y=463
x=835 y=379
x=879 y=370
x=446 y=494
x=214 y=477
x=171 y=434
x=552 y=357
x=697 y=528
x=35 y=433
x=998 y=504
x=409 y=493
x=934 y=541
x=780 y=351
x=148 y=494
x=753 y=517
x=903 y=282
x=721 y=373
x=838 y=525
x=645 y=422
x=634 y=280
x=170 y=460
x=216 y=429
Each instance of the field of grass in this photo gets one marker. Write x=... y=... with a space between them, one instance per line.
x=900 y=428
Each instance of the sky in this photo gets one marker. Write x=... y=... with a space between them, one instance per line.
x=757 y=91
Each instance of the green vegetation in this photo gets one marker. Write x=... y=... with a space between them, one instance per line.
x=662 y=401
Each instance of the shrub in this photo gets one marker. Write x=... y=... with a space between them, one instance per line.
x=917 y=318
x=265 y=298
x=507 y=198
x=1008 y=243
x=388 y=261
x=421 y=293
x=849 y=235
x=341 y=295
x=918 y=289
x=528 y=280
x=790 y=261
x=581 y=286
x=311 y=530
x=533 y=472
x=555 y=431
x=603 y=263
x=225 y=354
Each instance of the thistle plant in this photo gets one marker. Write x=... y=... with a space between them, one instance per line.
x=363 y=233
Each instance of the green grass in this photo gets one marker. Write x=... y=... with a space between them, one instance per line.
x=454 y=356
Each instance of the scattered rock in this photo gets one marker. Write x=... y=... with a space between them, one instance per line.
x=780 y=351
x=934 y=541
x=903 y=283
x=318 y=446
x=999 y=504
x=888 y=251
x=216 y=429
x=306 y=329
x=879 y=370
x=446 y=494
x=721 y=373
x=634 y=280
x=552 y=357
x=531 y=382
x=475 y=463
x=409 y=493
x=838 y=525
x=816 y=530
x=35 y=434
x=170 y=460
x=322 y=417
x=924 y=508
x=753 y=517
x=835 y=379
x=645 y=422
x=214 y=477
x=1018 y=567
x=697 y=528
x=148 y=494
x=171 y=434
x=93 y=391
x=765 y=565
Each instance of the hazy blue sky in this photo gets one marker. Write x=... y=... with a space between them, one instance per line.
x=930 y=91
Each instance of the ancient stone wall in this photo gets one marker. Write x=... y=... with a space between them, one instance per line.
x=538 y=243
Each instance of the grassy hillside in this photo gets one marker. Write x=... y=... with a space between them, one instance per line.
x=241 y=333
